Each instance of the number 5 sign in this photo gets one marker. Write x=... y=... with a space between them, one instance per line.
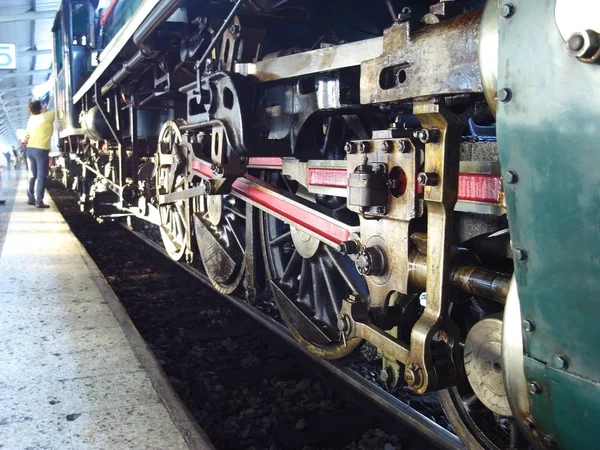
x=8 y=56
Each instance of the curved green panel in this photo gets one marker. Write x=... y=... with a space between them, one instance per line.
x=549 y=134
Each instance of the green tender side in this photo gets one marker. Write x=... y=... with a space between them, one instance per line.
x=549 y=134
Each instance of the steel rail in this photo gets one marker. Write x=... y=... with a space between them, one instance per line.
x=391 y=405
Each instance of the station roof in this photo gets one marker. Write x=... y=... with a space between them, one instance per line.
x=27 y=24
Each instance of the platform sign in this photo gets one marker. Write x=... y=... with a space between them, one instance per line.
x=8 y=56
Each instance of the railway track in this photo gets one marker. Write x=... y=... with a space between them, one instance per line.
x=391 y=407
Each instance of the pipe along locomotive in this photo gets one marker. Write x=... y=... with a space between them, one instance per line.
x=413 y=179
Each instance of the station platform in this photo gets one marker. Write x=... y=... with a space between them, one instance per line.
x=74 y=371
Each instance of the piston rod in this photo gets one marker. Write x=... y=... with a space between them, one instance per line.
x=467 y=278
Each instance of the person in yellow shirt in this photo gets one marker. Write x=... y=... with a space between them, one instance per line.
x=39 y=132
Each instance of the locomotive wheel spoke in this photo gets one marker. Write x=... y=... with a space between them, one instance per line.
x=285 y=237
x=290 y=269
x=175 y=227
x=470 y=401
x=331 y=287
x=222 y=241
x=342 y=271
x=313 y=277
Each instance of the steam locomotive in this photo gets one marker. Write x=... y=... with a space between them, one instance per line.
x=418 y=177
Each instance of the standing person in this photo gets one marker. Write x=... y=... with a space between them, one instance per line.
x=39 y=131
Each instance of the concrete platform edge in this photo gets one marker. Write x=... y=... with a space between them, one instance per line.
x=192 y=433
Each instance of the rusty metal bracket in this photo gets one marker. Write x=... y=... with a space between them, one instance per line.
x=419 y=61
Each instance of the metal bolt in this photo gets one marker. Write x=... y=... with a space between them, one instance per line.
x=560 y=362
x=217 y=169
x=211 y=65
x=412 y=375
x=208 y=186
x=362 y=147
x=349 y=248
x=370 y=261
x=507 y=10
x=520 y=254
x=511 y=177
x=405 y=14
x=534 y=388
x=504 y=95
x=402 y=147
x=343 y=323
x=379 y=210
x=386 y=147
x=363 y=263
x=529 y=423
x=426 y=135
x=349 y=147
x=528 y=325
x=584 y=45
x=428 y=179
x=575 y=42
x=391 y=184
x=235 y=29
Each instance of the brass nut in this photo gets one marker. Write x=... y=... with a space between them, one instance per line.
x=428 y=179
x=387 y=147
x=412 y=375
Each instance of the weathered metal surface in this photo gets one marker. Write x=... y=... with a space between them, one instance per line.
x=488 y=53
x=418 y=62
x=564 y=408
x=306 y=63
x=442 y=159
x=548 y=136
x=401 y=160
x=483 y=354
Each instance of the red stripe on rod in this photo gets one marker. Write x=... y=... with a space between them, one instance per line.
x=108 y=12
x=327 y=177
x=265 y=161
x=202 y=168
x=258 y=192
x=477 y=187
x=480 y=187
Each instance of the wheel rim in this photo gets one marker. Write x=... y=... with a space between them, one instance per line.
x=489 y=430
x=313 y=276
x=171 y=177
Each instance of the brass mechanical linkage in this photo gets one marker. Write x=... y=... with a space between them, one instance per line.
x=465 y=275
x=431 y=265
x=354 y=317
x=442 y=159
